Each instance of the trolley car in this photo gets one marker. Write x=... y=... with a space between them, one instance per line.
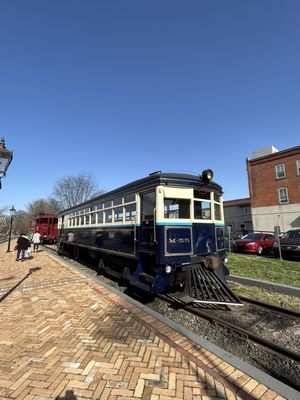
x=162 y=233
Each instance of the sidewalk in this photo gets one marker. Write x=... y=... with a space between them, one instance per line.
x=63 y=336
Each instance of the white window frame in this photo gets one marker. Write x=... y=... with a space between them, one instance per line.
x=279 y=170
x=280 y=197
x=298 y=167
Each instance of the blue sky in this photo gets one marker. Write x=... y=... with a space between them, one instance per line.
x=119 y=89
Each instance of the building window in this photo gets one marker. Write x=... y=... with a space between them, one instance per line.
x=280 y=171
x=298 y=167
x=247 y=210
x=283 y=195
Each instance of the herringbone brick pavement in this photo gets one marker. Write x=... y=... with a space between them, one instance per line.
x=63 y=336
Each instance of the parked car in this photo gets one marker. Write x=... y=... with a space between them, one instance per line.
x=289 y=244
x=255 y=243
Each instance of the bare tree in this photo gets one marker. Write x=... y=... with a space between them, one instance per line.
x=22 y=223
x=4 y=223
x=43 y=206
x=72 y=190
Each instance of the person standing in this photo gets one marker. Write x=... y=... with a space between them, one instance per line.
x=36 y=241
x=23 y=244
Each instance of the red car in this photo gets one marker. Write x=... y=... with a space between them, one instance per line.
x=255 y=243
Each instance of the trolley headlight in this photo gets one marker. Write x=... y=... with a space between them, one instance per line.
x=168 y=269
x=225 y=260
x=207 y=175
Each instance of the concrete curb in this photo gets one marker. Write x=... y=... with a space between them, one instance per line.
x=274 y=287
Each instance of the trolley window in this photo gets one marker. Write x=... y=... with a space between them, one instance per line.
x=148 y=206
x=202 y=210
x=177 y=208
x=108 y=216
x=118 y=214
x=100 y=217
x=130 y=212
x=117 y=201
x=129 y=198
x=200 y=194
x=107 y=204
x=217 y=197
x=217 y=211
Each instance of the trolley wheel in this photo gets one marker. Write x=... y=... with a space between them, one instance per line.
x=101 y=267
x=260 y=250
x=61 y=250
x=76 y=253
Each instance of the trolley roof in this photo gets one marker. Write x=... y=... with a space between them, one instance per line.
x=152 y=180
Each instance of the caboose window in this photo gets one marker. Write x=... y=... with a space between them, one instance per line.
x=177 y=208
x=87 y=219
x=202 y=210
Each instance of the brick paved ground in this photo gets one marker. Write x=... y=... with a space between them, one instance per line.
x=63 y=336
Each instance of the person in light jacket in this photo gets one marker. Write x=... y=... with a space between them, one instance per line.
x=36 y=241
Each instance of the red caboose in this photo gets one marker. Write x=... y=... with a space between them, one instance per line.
x=46 y=225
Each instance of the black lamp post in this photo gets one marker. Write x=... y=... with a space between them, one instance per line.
x=6 y=157
x=12 y=212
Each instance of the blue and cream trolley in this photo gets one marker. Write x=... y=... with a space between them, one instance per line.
x=162 y=233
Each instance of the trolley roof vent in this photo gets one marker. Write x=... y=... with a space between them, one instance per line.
x=154 y=173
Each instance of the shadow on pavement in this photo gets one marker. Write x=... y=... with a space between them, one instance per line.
x=19 y=283
x=68 y=396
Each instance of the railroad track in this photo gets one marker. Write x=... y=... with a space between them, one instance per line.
x=244 y=334
x=271 y=307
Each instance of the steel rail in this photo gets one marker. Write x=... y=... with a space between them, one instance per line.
x=272 y=348
x=271 y=307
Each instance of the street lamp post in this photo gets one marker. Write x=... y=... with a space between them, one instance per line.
x=6 y=157
x=12 y=212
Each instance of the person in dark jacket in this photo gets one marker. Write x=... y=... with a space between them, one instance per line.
x=23 y=244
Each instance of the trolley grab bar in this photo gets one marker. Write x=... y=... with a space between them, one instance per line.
x=154 y=227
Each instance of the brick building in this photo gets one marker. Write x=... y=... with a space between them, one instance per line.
x=274 y=188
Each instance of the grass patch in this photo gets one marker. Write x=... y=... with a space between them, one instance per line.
x=266 y=296
x=267 y=269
